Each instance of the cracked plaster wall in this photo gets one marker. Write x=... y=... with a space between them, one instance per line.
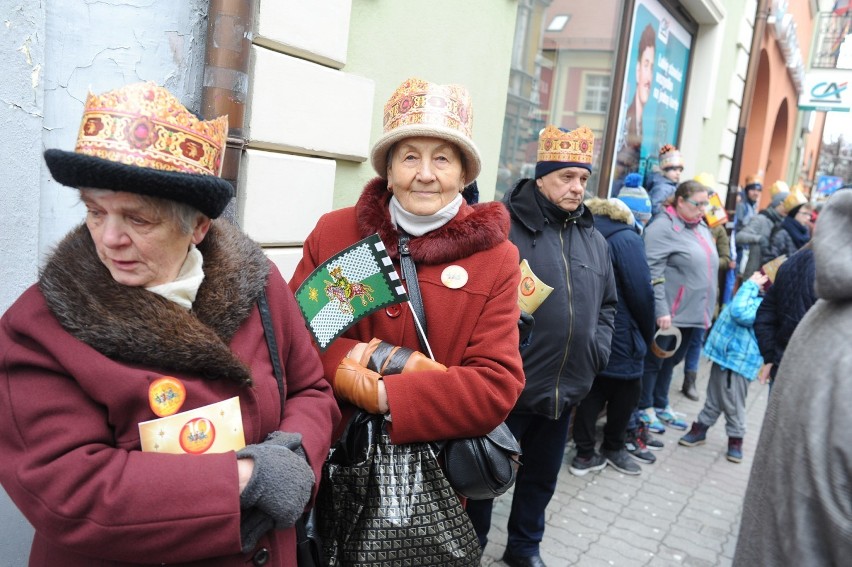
x=52 y=52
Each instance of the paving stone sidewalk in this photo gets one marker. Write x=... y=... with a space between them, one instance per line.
x=684 y=510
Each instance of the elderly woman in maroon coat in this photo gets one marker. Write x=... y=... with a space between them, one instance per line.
x=150 y=310
x=467 y=271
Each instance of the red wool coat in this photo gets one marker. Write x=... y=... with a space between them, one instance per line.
x=70 y=403
x=472 y=330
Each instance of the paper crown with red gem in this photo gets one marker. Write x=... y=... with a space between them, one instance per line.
x=558 y=148
x=141 y=139
x=420 y=108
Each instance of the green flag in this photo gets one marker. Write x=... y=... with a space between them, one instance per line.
x=348 y=286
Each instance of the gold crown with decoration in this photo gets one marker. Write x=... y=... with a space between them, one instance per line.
x=145 y=125
x=140 y=139
x=576 y=146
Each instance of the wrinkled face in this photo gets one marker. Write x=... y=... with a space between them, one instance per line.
x=673 y=172
x=645 y=74
x=425 y=174
x=692 y=208
x=138 y=245
x=565 y=187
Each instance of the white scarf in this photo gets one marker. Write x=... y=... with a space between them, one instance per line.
x=185 y=286
x=418 y=225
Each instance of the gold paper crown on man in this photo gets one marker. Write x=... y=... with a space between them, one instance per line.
x=559 y=148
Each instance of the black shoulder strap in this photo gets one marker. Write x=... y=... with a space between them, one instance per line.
x=409 y=274
x=272 y=345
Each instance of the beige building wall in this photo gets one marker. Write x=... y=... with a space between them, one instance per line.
x=320 y=75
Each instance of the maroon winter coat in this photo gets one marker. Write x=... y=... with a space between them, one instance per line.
x=472 y=330
x=77 y=353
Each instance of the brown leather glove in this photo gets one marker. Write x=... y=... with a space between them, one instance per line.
x=386 y=358
x=357 y=385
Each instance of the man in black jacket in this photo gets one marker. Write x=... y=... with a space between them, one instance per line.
x=570 y=344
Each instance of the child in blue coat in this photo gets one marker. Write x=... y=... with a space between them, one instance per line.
x=736 y=358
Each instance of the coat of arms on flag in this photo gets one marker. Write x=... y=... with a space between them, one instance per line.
x=347 y=287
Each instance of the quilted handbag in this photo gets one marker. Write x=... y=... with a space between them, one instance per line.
x=387 y=505
x=482 y=468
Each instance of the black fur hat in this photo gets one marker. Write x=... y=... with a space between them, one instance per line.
x=141 y=139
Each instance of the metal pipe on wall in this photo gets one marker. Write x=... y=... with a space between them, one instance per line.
x=230 y=30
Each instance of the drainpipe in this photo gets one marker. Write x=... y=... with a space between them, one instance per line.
x=230 y=29
x=745 y=111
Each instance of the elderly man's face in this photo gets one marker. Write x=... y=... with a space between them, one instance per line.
x=137 y=245
x=565 y=187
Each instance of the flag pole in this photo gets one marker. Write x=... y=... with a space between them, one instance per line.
x=420 y=330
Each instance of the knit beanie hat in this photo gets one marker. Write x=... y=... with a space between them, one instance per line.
x=635 y=197
x=670 y=157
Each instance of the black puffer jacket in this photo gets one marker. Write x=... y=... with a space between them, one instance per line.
x=785 y=304
x=573 y=327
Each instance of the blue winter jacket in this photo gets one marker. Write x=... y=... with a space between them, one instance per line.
x=634 y=316
x=732 y=344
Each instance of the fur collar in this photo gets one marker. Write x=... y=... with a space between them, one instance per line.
x=133 y=325
x=605 y=208
x=474 y=229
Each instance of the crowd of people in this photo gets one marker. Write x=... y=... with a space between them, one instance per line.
x=156 y=309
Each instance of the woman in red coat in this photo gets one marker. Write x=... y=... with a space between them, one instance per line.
x=148 y=311
x=467 y=271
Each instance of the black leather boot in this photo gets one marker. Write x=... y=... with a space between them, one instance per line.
x=689 y=390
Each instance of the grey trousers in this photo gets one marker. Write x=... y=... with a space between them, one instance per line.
x=726 y=392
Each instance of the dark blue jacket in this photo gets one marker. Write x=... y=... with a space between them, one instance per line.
x=634 y=317
x=785 y=304
x=574 y=325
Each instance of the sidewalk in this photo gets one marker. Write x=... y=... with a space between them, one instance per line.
x=682 y=510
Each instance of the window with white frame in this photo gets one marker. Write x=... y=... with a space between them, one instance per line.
x=597 y=92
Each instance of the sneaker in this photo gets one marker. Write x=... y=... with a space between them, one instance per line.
x=671 y=418
x=697 y=435
x=636 y=447
x=650 y=442
x=620 y=460
x=650 y=418
x=735 y=449
x=580 y=466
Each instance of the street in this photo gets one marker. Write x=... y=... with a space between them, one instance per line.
x=682 y=510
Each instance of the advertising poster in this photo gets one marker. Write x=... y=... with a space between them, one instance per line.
x=653 y=95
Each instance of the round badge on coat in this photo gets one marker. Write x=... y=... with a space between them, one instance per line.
x=166 y=395
x=454 y=277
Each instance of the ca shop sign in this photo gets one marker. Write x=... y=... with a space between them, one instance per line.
x=826 y=90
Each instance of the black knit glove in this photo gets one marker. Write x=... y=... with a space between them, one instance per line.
x=282 y=480
x=526 y=323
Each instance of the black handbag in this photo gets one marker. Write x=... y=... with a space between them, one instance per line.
x=387 y=505
x=308 y=544
x=479 y=468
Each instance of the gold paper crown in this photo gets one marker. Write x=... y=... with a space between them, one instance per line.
x=145 y=125
x=779 y=187
x=417 y=101
x=794 y=199
x=576 y=146
x=754 y=180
